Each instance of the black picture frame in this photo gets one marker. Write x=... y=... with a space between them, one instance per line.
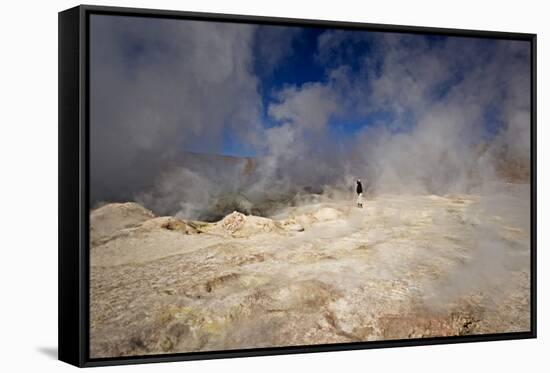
x=73 y=250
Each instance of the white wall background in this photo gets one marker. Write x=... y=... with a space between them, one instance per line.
x=28 y=184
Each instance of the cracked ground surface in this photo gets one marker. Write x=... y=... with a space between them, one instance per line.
x=326 y=272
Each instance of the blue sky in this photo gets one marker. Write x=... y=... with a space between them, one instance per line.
x=361 y=71
x=303 y=63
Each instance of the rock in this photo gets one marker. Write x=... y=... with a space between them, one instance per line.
x=171 y=224
x=109 y=219
x=291 y=225
x=294 y=227
x=233 y=222
x=240 y=225
x=167 y=285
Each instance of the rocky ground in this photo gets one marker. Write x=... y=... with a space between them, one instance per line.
x=325 y=272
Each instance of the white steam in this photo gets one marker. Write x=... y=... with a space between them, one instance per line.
x=163 y=89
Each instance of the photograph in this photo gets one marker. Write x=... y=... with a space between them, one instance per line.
x=262 y=185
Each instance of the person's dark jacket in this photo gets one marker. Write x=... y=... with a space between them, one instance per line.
x=359 y=187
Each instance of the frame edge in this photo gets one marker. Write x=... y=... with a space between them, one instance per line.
x=73 y=343
x=70 y=348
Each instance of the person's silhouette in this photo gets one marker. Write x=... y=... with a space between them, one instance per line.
x=359 y=190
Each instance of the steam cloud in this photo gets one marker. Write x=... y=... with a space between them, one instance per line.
x=431 y=114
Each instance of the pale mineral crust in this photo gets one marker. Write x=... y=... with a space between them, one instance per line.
x=404 y=266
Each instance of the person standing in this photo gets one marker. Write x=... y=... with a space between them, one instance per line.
x=359 y=190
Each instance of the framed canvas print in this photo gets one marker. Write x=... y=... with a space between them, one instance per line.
x=237 y=186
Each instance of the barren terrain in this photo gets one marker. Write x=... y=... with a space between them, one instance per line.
x=405 y=266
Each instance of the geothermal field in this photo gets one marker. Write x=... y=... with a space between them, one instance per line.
x=224 y=159
x=316 y=271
